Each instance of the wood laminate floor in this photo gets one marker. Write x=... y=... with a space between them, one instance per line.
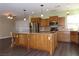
x=64 y=49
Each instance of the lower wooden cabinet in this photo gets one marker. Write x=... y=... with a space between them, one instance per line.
x=74 y=36
x=41 y=41
x=55 y=41
x=23 y=40
x=63 y=36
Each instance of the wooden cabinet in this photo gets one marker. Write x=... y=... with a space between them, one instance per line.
x=35 y=19
x=63 y=36
x=61 y=21
x=55 y=41
x=22 y=40
x=44 y=22
x=74 y=36
x=41 y=22
x=41 y=41
x=32 y=42
x=53 y=18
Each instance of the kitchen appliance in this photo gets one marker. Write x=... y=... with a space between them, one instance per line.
x=34 y=27
x=53 y=26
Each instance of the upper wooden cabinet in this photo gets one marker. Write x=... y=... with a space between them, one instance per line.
x=53 y=18
x=35 y=19
x=44 y=22
x=61 y=21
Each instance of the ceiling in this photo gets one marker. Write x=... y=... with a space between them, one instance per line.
x=16 y=9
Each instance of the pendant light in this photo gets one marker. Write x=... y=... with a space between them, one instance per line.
x=42 y=10
x=24 y=15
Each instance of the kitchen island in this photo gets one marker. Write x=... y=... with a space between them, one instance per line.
x=41 y=41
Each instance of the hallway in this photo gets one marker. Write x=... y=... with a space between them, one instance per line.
x=64 y=49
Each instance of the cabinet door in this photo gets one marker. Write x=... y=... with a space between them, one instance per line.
x=32 y=42
x=23 y=40
x=74 y=36
x=35 y=20
x=53 y=18
x=16 y=39
x=61 y=21
x=61 y=36
x=55 y=40
x=44 y=22
x=40 y=41
x=47 y=22
x=64 y=36
x=44 y=42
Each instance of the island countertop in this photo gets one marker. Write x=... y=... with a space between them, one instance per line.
x=36 y=32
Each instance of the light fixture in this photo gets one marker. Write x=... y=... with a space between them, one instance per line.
x=67 y=12
x=42 y=10
x=24 y=15
x=10 y=16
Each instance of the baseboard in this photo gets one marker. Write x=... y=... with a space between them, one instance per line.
x=5 y=37
x=64 y=42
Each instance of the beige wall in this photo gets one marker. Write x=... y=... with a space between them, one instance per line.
x=22 y=26
x=6 y=26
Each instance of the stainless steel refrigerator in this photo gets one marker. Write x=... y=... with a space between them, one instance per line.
x=34 y=27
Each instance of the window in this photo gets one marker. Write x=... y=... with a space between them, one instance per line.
x=73 y=22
